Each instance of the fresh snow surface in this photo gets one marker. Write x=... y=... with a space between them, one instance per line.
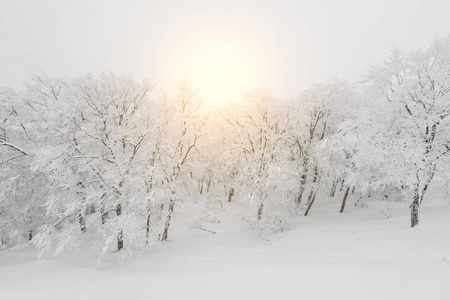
x=359 y=254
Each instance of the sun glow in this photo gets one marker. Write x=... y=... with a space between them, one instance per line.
x=222 y=67
x=219 y=79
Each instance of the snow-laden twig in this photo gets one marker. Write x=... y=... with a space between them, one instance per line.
x=204 y=229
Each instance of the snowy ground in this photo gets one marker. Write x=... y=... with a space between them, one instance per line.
x=356 y=255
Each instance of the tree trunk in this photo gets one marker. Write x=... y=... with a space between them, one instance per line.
x=310 y=196
x=82 y=221
x=310 y=204
x=301 y=189
x=342 y=185
x=208 y=185
x=102 y=210
x=147 y=227
x=230 y=194
x=344 y=200
x=120 y=240
x=312 y=193
x=415 y=208
x=169 y=217
x=333 y=188
x=120 y=234
x=260 y=211
x=201 y=187
x=104 y=214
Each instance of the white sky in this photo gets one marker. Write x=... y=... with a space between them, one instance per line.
x=281 y=45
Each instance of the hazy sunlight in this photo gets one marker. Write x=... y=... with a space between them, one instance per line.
x=219 y=79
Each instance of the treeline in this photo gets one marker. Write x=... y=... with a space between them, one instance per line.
x=99 y=158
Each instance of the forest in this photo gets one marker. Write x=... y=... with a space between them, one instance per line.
x=104 y=159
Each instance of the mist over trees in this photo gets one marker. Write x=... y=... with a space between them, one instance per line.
x=105 y=158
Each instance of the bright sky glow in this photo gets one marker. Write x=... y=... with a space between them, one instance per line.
x=223 y=47
x=220 y=72
x=219 y=79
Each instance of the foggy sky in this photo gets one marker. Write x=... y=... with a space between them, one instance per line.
x=293 y=44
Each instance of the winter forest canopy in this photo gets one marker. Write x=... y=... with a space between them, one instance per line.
x=104 y=158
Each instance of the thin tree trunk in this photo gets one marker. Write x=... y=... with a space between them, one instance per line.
x=230 y=194
x=312 y=193
x=260 y=211
x=310 y=196
x=147 y=227
x=102 y=210
x=310 y=204
x=301 y=190
x=82 y=221
x=333 y=188
x=208 y=185
x=415 y=207
x=165 y=233
x=298 y=201
x=201 y=187
x=342 y=185
x=104 y=214
x=120 y=234
x=120 y=240
x=344 y=200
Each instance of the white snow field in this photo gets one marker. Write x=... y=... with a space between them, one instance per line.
x=359 y=254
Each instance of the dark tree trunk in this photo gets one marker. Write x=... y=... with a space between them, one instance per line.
x=310 y=196
x=147 y=227
x=90 y=210
x=102 y=210
x=415 y=208
x=333 y=188
x=344 y=200
x=82 y=221
x=342 y=185
x=104 y=214
x=312 y=193
x=120 y=240
x=165 y=233
x=260 y=211
x=230 y=194
x=310 y=204
x=201 y=187
x=208 y=185
x=120 y=234
x=301 y=190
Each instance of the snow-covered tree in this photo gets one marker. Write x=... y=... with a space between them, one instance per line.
x=21 y=189
x=256 y=132
x=315 y=115
x=179 y=127
x=91 y=139
x=413 y=136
